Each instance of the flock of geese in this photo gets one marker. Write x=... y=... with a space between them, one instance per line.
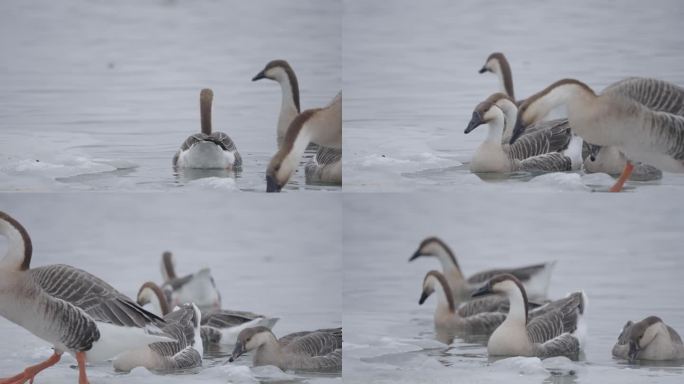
x=166 y=329
x=295 y=131
x=634 y=128
x=510 y=308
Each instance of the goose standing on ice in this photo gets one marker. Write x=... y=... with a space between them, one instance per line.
x=649 y=339
x=606 y=159
x=448 y=318
x=549 y=148
x=71 y=309
x=198 y=288
x=319 y=350
x=536 y=277
x=559 y=331
x=181 y=355
x=219 y=326
x=642 y=118
x=207 y=149
x=322 y=126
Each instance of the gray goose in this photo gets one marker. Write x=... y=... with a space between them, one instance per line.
x=69 y=308
x=649 y=339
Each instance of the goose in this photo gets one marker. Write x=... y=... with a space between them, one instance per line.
x=559 y=331
x=643 y=118
x=219 y=326
x=198 y=288
x=319 y=350
x=535 y=277
x=207 y=149
x=448 y=318
x=550 y=148
x=281 y=72
x=606 y=159
x=168 y=357
x=69 y=308
x=649 y=339
x=322 y=126
x=324 y=167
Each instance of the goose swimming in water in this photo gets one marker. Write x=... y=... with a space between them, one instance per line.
x=536 y=277
x=559 y=331
x=606 y=159
x=71 y=309
x=649 y=339
x=322 y=126
x=319 y=350
x=219 y=326
x=185 y=353
x=549 y=148
x=642 y=118
x=207 y=149
x=198 y=288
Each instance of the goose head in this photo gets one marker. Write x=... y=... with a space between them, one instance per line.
x=282 y=72
x=150 y=293
x=433 y=281
x=19 y=246
x=487 y=112
x=498 y=64
x=250 y=339
x=642 y=333
x=509 y=286
x=435 y=247
x=493 y=63
x=538 y=106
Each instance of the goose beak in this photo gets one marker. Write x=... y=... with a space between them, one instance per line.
x=483 y=290
x=259 y=76
x=415 y=255
x=517 y=131
x=475 y=122
x=423 y=297
x=482 y=70
x=272 y=184
x=633 y=350
x=237 y=351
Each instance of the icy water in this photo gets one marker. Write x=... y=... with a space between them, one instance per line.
x=624 y=252
x=276 y=256
x=99 y=95
x=411 y=81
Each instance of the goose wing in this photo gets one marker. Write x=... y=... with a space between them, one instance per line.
x=180 y=325
x=555 y=318
x=492 y=303
x=327 y=155
x=91 y=294
x=563 y=345
x=656 y=95
x=314 y=343
x=522 y=273
x=226 y=318
x=547 y=162
x=544 y=137
x=484 y=323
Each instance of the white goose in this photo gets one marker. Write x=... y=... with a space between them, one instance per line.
x=559 y=331
x=319 y=350
x=219 y=326
x=548 y=147
x=649 y=339
x=606 y=159
x=207 y=149
x=322 y=126
x=198 y=288
x=71 y=309
x=184 y=354
x=643 y=118
x=536 y=277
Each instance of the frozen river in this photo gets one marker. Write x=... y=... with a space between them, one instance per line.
x=411 y=78
x=98 y=95
x=624 y=252
x=283 y=262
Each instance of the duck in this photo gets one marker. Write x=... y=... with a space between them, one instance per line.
x=322 y=126
x=604 y=159
x=207 y=149
x=649 y=339
x=558 y=331
x=73 y=310
x=281 y=72
x=198 y=288
x=319 y=350
x=642 y=117
x=447 y=316
x=218 y=326
x=535 y=277
x=178 y=356
x=549 y=148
